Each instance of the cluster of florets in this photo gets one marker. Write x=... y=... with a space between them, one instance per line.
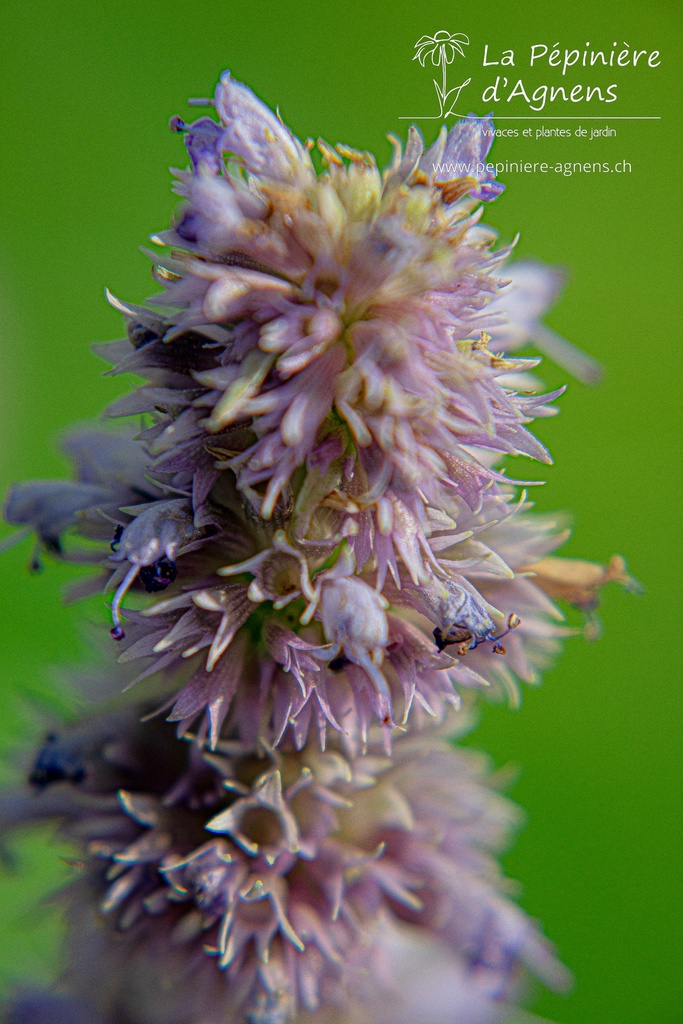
x=281 y=867
x=334 y=561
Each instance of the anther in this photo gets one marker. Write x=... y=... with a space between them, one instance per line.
x=159 y=575
x=338 y=663
x=117 y=633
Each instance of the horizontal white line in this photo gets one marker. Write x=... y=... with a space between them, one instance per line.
x=537 y=117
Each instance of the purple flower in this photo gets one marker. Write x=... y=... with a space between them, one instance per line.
x=284 y=881
x=320 y=563
x=201 y=139
x=346 y=300
x=457 y=161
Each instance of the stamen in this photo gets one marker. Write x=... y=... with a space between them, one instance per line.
x=470 y=642
x=513 y=622
x=117 y=633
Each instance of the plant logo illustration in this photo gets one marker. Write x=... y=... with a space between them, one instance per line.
x=441 y=49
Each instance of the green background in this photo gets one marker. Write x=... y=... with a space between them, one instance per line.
x=86 y=90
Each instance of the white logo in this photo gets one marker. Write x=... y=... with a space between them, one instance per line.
x=440 y=49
